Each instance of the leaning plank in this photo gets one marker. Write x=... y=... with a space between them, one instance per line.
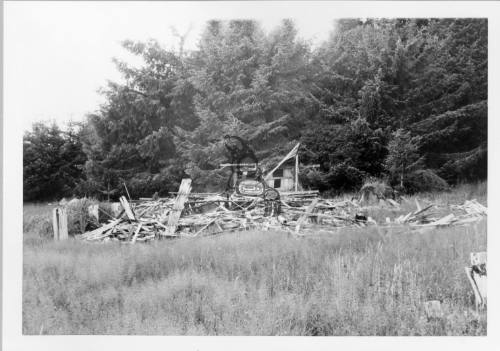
x=303 y=218
x=176 y=211
x=419 y=208
x=477 y=296
x=134 y=238
x=126 y=207
x=446 y=220
x=478 y=267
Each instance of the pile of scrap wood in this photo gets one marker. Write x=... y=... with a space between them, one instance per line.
x=195 y=214
x=471 y=211
x=198 y=214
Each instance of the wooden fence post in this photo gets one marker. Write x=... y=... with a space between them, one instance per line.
x=60 y=223
x=55 y=223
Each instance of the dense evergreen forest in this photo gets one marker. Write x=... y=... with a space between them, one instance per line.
x=404 y=100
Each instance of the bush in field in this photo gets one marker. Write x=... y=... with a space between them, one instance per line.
x=40 y=224
x=79 y=220
x=313 y=179
x=376 y=188
x=425 y=180
x=343 y=177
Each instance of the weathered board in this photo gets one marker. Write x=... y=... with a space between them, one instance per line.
x=60 y=223
x=175 y=213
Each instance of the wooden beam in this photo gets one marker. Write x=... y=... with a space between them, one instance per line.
x=134 y=238
x=126 y=207
x=60 y=223
x=287 y=157
x=303 y=218
x=296 y=171
x=55 y=223
x=175 y=213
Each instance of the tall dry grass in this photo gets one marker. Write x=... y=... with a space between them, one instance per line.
x=353 y=283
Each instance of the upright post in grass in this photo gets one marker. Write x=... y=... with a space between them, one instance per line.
x=296 y=171
x=55 y=223
x=60 y=223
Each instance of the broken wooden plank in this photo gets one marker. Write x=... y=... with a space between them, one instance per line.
x=446 y=220
x=127 y=208
x=303 y=218
x=175 y=214
x=204 y=227
x=100 y=230
x=477 y=295
x=392 y=202
x=477 y=276
x=418 y=205
x=134 y=238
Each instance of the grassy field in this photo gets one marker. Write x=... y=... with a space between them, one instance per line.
x=367 y=281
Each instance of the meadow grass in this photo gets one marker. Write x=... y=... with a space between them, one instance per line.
x=363 y=281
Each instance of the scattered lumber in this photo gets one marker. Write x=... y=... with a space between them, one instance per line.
x=302 y=213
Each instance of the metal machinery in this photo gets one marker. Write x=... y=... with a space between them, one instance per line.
x=246 y=175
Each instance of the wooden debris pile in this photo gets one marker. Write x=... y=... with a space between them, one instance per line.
x=191 y=215
x=471 y=211
x=196 y=214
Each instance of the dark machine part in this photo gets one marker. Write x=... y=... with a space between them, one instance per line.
x=238 y=149
x=246 y=175
x=272 y=203
x=244 y=166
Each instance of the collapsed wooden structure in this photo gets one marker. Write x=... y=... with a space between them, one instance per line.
x=299 y=213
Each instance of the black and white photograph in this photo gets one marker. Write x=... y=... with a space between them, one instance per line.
x=247 y=168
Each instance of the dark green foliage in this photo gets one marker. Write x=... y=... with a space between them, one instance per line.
x=343 y=177
x=425 y=180
x=346 y=153
x=466 y=167
x=403 y=156
x=344 y=101
x=427 y=76
x=248 y=84
x=131 y=139
x=52 y=161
